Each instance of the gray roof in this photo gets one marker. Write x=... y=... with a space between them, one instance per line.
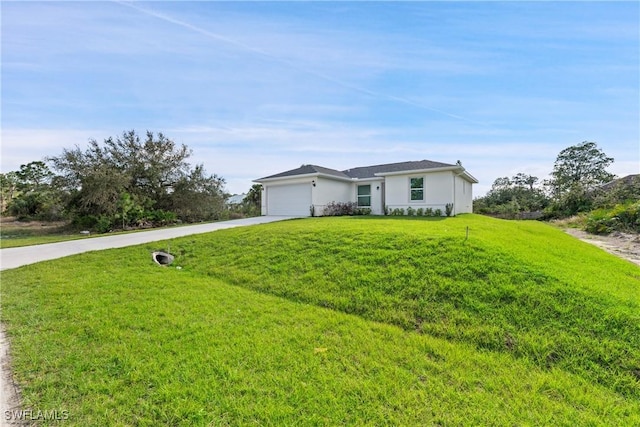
x=625 y=181
x=306 y=170
x=361 y=172
x=371 y=171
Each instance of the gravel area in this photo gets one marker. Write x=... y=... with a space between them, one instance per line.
x=624 y=245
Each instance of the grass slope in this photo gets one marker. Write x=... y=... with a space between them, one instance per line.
x=334 y=321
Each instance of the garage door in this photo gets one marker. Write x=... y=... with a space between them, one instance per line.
x=290 y=200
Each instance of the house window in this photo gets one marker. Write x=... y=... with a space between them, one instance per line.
x=417 y=189
x=364 y=195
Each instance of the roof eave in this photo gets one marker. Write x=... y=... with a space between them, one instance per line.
x=415 y=171
x=284 y=178
x=306 y=175
x=469 y=177
x=455 y=168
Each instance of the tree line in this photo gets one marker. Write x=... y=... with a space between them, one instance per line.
x=126 y=181
x=579 y=184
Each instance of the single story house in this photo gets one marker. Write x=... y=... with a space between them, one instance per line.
x=416 y=184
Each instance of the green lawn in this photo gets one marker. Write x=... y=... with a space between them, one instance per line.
x=330 y=321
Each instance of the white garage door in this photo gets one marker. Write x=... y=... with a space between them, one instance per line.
x=290 y=200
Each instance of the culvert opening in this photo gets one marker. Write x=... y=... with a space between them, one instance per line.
x=162 y=258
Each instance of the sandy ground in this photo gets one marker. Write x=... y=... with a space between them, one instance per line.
x=624 y=245
x=9 y=393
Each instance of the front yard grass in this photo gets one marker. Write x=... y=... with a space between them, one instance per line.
x=330 y=321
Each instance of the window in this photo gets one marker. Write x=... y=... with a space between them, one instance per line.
x=417 y=189
x=364 y=195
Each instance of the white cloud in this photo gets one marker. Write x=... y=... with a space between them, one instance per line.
x=21 y=146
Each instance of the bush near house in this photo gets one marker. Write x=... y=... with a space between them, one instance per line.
x=343 y=208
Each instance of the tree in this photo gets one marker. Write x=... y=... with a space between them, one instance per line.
x=577 y=171
x=34 y=176
x=30 y=192
x=198 y=196
x=510 y=196
x=583 y=165
x=154 y=172
x=8 y=189
x=252 y=202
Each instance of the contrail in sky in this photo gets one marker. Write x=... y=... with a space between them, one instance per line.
x=288 y=63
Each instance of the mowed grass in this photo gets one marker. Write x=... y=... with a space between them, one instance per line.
x=329 y=321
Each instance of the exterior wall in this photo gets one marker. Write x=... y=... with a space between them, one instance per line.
x=438 y=191
x=440 y=188
x=377 y=194
x=331 y=190
x=464 y=196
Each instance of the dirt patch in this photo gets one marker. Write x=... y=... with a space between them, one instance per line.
x=9 y=392
x=624 y=245
x=10 y=222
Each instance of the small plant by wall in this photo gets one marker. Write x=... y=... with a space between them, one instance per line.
x=448 y=209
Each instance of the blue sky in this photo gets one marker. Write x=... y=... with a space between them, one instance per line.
x=255 y=88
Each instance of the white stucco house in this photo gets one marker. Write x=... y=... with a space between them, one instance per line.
x=416 y=184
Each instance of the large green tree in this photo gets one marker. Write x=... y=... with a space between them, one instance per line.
x=584 y=165
x=29 y=193
x=153 y=172
x=577 y=172
x=34 y=176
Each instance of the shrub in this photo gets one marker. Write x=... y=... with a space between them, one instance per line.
x=622 y=217
x=448 y=209
x=437 y=212
x=411 y=211
x=420 y=212
x=339 y=208
x=103 y=224
x=84 y=222
x=161 y=217
x=428 y=212
x=362 y=211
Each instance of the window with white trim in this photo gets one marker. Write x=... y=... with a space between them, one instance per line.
x=416 y=189
x=364 y=195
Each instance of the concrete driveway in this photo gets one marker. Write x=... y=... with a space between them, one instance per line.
x=17 y=257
